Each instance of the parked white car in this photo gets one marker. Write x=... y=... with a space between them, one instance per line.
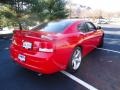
x=102 y=21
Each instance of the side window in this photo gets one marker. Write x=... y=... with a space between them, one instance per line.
x=90 y=26
x=81 y=27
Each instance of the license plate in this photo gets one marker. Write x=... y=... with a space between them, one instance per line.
x=21 y=57
x=27 y=45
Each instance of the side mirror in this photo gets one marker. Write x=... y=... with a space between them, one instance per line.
x=99 y=27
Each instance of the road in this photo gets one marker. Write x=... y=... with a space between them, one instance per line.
x=100 y=69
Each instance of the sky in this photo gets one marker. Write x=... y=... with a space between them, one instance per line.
x=106 y=5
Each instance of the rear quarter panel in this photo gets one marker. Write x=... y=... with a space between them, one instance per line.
x=65 y=46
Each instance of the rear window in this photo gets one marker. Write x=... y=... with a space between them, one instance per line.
x=57 y=26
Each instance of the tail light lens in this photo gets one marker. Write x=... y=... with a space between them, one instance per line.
x=46 y=47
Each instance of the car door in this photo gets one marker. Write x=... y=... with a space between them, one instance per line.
x=89 y=41
x=92 y=34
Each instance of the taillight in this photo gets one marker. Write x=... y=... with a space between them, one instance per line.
x=46 y=47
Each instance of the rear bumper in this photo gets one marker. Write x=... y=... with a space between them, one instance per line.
x=45 y=63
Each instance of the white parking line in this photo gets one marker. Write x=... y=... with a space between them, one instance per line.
x=81 y=82
x=112 y=39
x=109 y=50
x=6 y=48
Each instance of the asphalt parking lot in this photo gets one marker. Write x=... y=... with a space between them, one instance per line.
x=99 y=70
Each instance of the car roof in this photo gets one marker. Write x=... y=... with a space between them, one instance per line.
x=74 y=20
x=71 y=20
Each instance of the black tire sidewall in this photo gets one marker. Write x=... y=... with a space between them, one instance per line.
x=70 y=67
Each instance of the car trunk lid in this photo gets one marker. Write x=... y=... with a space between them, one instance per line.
x=33 y=41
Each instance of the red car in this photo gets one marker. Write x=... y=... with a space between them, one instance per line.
x=56 y=45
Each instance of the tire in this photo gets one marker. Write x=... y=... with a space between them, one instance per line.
x=75 y=60
x=101 y=41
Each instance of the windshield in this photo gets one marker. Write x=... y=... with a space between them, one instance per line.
x=57 y=26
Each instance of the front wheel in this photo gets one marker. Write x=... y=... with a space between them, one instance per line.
x=75 y=60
